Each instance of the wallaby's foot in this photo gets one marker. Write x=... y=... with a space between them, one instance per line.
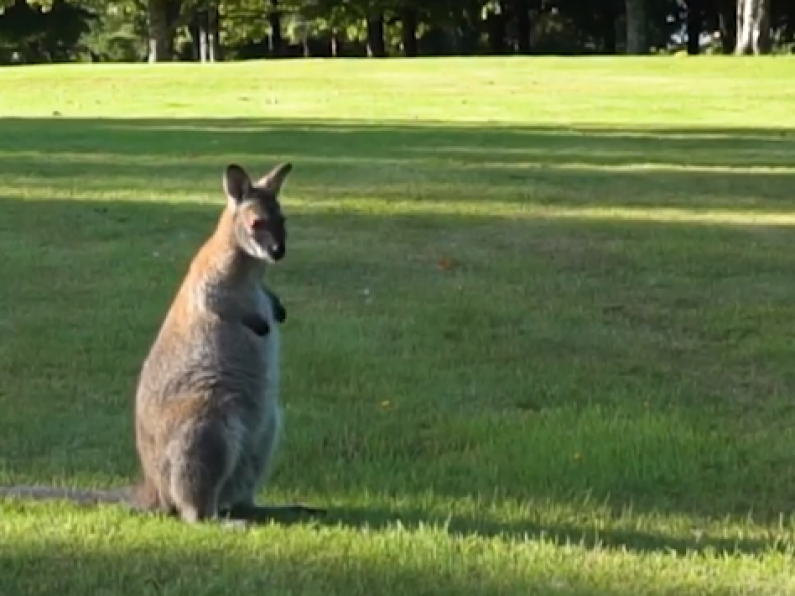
x=143 y=499
x=155 y=511
x=236 y=525
x=266 y=513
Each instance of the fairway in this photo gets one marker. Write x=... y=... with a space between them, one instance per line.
x=539 y=335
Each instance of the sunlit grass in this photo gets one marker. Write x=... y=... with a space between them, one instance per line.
x=315 y=561
x=490 y=210
x=539 y=337
x=562 y=91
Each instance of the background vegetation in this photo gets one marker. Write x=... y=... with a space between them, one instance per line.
x=207 y=30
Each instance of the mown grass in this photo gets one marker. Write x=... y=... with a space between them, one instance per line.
x=539 y=336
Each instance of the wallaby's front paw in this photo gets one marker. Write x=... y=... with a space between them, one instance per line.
x=279 y=312
x=257 y=324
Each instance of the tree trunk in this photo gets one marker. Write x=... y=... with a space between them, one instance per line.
x=408 y=33
x=521 y=12
x=694 y=26
x=161 y=35
x=275 y=20
x=435 y=41
x=637 y=27
x=200 y=35
x=469 y=30
x=205 y=46
x=727 y=24
x=753 y=27
x=497 y=28
x=305 y=40
x=335 y=44
x=745 y=12
x=376 y=48
x=764 y=41
x=610 y=47
x=610 y=29
x=195 y=32
x=214 y=34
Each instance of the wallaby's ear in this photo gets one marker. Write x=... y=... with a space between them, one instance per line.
x=236 y=183
x=274 y=179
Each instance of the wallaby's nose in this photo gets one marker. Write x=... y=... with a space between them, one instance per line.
x=277 y=251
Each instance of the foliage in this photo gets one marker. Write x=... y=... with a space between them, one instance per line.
x=51 y=32
x=119 y=33
x=118 y=29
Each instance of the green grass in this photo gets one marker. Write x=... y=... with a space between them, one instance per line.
x=540 y=329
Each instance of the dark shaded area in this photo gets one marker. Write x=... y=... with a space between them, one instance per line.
x=589 y=537
x=29 y=33
x=65 y=569
x=724 y=169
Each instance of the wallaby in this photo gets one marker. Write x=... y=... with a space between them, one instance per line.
x=207 y=414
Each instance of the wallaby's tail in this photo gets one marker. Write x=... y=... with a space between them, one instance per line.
x=79 y=496
x=141 y=497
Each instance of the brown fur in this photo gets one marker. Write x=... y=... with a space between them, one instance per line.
x=207 y=414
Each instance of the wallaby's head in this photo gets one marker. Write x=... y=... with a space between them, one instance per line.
x=256 y=212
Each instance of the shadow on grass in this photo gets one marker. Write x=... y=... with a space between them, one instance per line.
x=238 y=568
x=581 y=535
x=700 y=169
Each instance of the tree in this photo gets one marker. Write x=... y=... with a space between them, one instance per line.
x=38 y=32
x=409 y=20
x=275 y=21
x=205 y=30
x=161 y=19
x=376 y=48
x=637 y=27
x=520 y=11
x=497 y=22
x=165 y=30
x=695 y=18
x=161 y=32
x=753 y=27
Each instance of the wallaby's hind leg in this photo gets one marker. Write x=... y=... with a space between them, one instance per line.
x=198 y=467
x=199 y=510
x=252 y=471
x=145 y=498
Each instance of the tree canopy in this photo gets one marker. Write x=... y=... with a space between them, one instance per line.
x=209 y=30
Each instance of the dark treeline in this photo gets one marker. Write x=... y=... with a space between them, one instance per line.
x=164 y=30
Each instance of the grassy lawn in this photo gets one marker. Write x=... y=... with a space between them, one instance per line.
x=540 y=321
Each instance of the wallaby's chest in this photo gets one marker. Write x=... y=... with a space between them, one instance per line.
x=270 y=344
x=220 y=361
